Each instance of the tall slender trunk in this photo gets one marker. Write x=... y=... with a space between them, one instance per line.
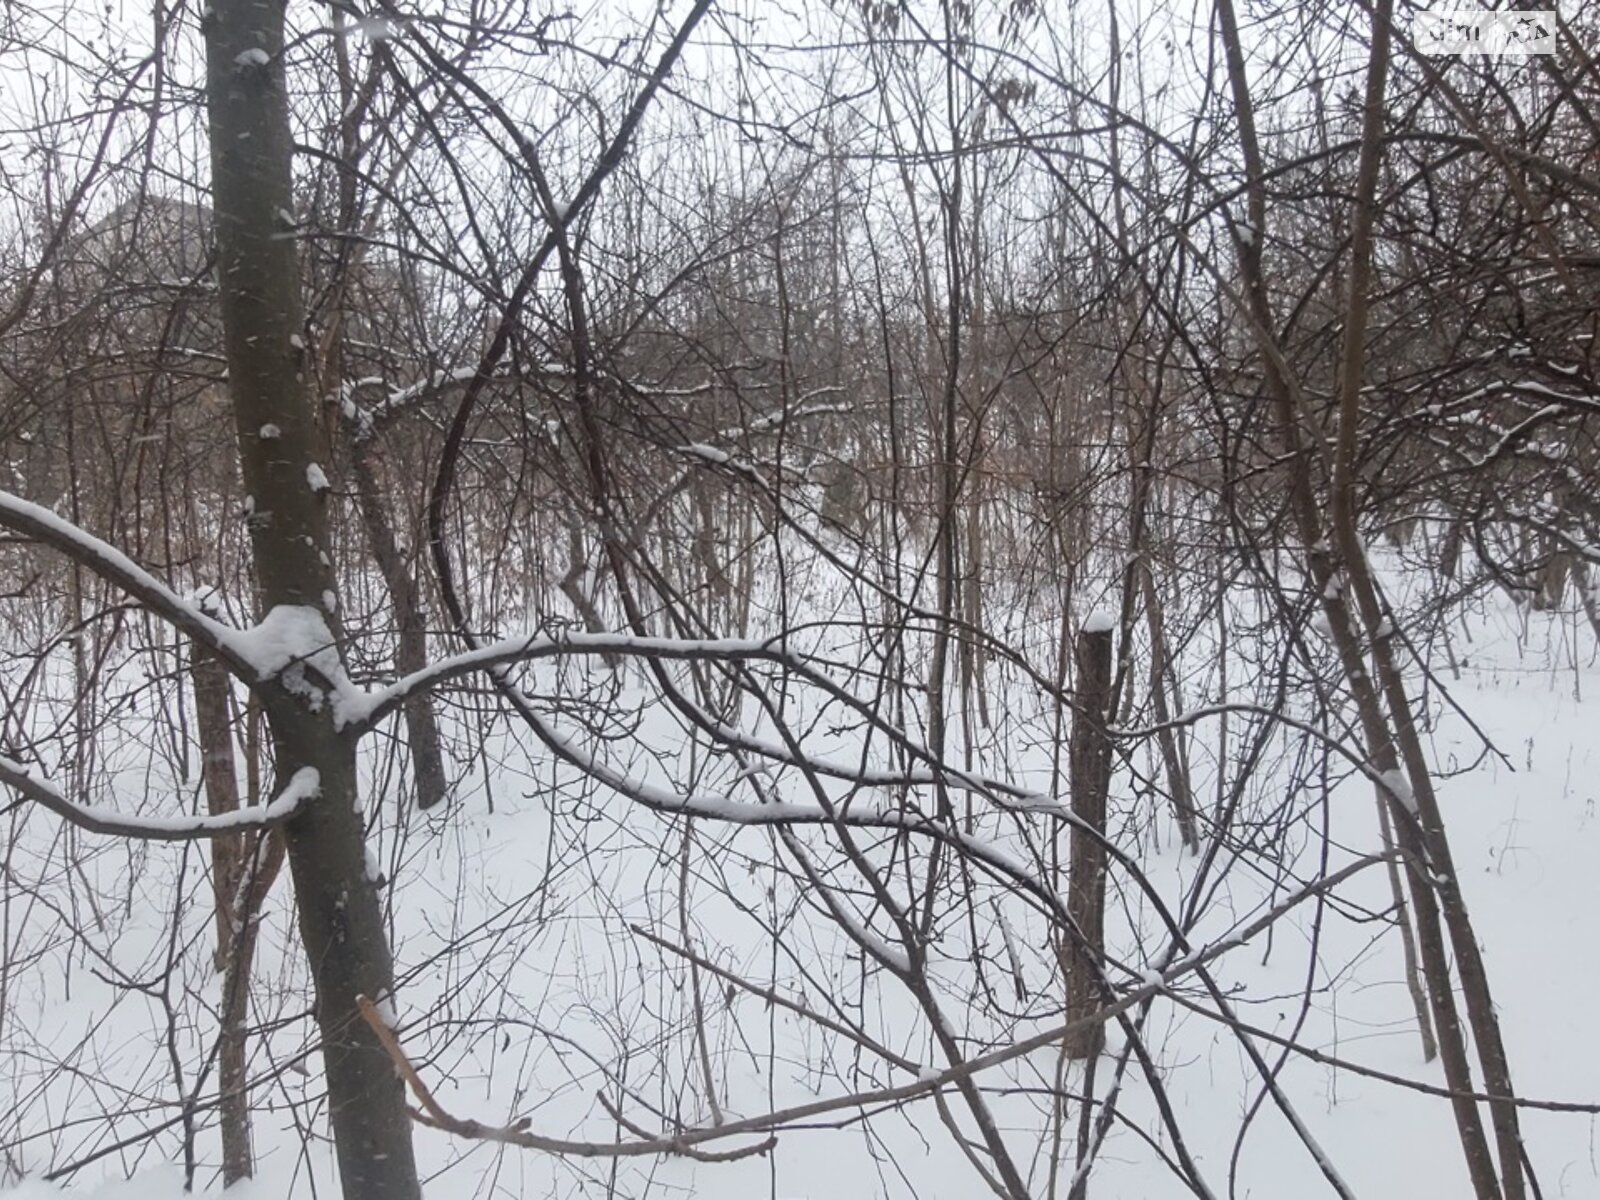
x=1383 y=708
x=422 y=729
x=1168 y=738
x=1090 y=775
x=1433 y=868
x=210 y=681
x=341 y=922
x=411 y=653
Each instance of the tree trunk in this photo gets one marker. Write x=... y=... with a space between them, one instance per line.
x=1418 y=824
x=422 y=730
x=222 y=796
x=217 y=768
x=1167 y=737
x=1408 y=939
x=341 y=923
x=1090 y=771
x=259 y=866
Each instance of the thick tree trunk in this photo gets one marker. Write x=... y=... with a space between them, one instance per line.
x=341 y=923
x=1090 y=769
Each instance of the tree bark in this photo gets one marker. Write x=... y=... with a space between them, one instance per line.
x=411 y=654
x=341 y=923
x=217 y=769
x=210 y=680
x=1420 y=830
x=1090 y=777
x=1167 y=737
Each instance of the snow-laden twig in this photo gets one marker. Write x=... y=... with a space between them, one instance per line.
x=366 y=420
x=303 y=786
x=359 y=712
x=105 y=560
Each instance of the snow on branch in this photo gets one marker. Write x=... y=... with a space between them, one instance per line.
x=366 y=421
x=105 y=560
x=364 y=712
x=1007 y=795
x=716 y=806
x=286 y=640
x=303 y=786
x=357 y=711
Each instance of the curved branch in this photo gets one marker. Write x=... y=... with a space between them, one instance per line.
x=303 y=787
x=105 y=560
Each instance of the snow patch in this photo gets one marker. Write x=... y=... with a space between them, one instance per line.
x=253 y=57
x=384 y=1003
x=316 y=478
x=1100 y=621
x=207 y=599
x=1396 y=783
x=290 y=639
x=269 y=432
x=710 y=453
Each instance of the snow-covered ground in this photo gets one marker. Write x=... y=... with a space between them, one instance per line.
x=527 y=986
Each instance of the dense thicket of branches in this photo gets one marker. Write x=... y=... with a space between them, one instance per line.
x=722 y=430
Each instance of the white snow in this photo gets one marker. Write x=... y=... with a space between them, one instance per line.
x=294 y=644
x=269 y=432
x=253 y=57
x=559 y=981
x=1100 y=620
x=288 y=633
x=1396 y=784
x=384 y=1003
x=207 y=599
x=710 y=453
x=316 y=479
